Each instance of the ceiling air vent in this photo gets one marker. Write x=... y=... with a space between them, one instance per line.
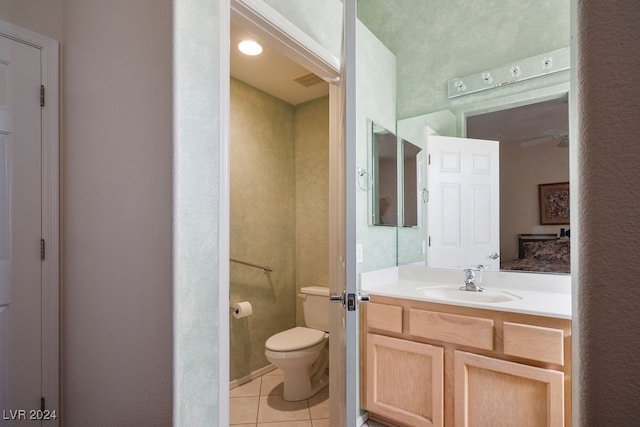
x=308 y=80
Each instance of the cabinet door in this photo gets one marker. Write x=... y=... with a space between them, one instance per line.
x=491 y=392
x=404 y=381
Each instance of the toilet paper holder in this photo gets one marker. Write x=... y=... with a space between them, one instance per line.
x=241 y=309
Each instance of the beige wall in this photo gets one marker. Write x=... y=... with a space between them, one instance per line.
x=279 y=214
x=312 y=196
x=42 y=16
x=262 y=222
x=116 y=206
x=117 y=212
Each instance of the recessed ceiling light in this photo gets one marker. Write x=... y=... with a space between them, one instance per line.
x=250 y=47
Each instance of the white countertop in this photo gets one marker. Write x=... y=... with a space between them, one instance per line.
x=537 y=294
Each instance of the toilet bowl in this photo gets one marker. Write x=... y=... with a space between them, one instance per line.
x=303 y=352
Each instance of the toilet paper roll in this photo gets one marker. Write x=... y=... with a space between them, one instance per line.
x=242 y=309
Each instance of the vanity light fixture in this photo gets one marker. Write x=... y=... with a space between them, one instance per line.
x=460 y=86
x=250 y=47
x=517 y=71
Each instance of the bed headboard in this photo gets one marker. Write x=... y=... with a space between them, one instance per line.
x=522 y=238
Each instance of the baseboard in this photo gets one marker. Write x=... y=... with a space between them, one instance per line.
x=252 y=376
x=362 y=419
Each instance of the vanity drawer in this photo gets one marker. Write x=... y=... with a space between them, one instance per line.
x=464 y=330
x=384 y=317
x=534 y=342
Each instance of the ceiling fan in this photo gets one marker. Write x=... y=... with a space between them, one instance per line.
x=561 y=136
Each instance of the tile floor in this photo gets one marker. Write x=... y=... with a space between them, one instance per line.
x=259 y=403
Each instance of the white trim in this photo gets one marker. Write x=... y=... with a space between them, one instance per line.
x=266 y=23
x=362 y=419
x=50 y=210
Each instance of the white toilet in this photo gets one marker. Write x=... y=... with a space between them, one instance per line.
x=303 y=353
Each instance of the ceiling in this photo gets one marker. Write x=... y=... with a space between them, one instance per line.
x=271 y=71
x=521 y=124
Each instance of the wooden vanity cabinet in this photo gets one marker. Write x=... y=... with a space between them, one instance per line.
x=426 y=364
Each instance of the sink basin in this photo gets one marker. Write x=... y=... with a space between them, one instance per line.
x=448 y=293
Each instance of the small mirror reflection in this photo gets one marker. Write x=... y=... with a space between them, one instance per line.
x=385 y=176
x=411 y=177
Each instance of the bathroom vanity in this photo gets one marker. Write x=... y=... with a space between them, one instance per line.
x=433 y=355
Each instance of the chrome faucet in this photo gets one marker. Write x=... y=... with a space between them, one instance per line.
x=469 y=281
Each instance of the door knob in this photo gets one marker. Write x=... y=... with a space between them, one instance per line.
x=494 y=256
x=349 y=300
x=337 y=297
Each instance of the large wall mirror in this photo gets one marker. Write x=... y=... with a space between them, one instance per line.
x=534 y=157
x=429 y=51
x=533 y=140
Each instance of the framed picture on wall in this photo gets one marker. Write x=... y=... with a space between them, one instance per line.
x=554 y=203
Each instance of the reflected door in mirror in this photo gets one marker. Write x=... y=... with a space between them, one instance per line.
x=464 y=205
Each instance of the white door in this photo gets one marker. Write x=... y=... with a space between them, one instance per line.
x=463 y=179
x=20 y=227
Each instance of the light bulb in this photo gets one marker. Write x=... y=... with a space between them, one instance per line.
x=250 y=47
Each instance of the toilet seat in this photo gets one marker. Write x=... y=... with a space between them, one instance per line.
x=293 y=339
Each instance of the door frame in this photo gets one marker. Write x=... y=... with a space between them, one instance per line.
x=267 y=24
x=49 y=66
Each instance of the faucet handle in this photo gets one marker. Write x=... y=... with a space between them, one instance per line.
x=469 y=275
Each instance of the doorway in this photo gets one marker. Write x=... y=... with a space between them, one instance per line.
x=311 y=74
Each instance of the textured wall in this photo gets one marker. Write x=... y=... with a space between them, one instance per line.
x=608 y=57
x=312 y=196
x=116 y=179
x=375 y=100
x=435 y=41
x=200 y=206
x=321 y=19
x=262 y=222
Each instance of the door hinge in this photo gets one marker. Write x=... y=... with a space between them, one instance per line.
x=429 y=159
x=42 y=95
x=42 y=405
x=429 y=241
x=42 y=251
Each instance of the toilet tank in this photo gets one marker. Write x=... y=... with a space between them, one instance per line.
x=315 y=306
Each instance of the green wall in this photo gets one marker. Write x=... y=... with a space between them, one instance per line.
x=435 y=41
